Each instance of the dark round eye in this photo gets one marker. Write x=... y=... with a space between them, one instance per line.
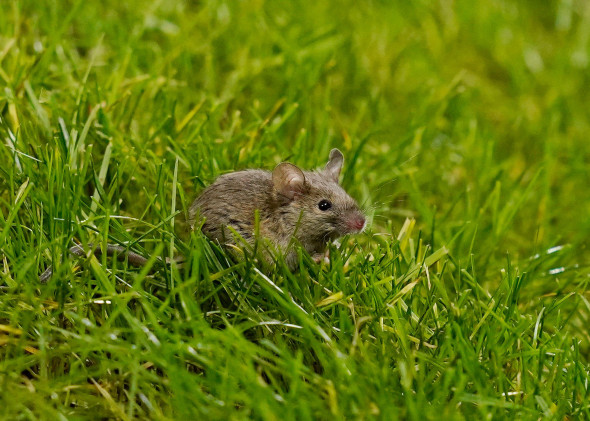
x=324 y=205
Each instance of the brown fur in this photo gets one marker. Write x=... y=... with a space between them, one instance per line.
x=287 y=204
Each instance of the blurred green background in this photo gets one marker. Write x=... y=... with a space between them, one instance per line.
x=446 y=111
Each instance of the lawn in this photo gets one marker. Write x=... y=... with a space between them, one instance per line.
x=465 y=132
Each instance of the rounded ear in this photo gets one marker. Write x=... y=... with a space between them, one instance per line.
x=288 y=180
x=334 y=165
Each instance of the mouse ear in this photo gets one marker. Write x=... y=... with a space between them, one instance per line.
x=334 y=165
x=288 y=180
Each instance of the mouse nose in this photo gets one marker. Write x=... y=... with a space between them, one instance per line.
x=357 y=223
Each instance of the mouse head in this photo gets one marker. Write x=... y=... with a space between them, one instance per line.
x=316 y=201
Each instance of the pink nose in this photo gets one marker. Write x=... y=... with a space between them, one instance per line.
x=356 y=223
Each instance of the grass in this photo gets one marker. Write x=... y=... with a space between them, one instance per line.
x=464 y=131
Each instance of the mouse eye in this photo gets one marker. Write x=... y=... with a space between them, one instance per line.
x=324 y=205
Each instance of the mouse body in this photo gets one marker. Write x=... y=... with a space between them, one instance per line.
x=307 y=206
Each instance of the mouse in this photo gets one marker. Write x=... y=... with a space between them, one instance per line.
x=293 y=206
x=285 y=207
